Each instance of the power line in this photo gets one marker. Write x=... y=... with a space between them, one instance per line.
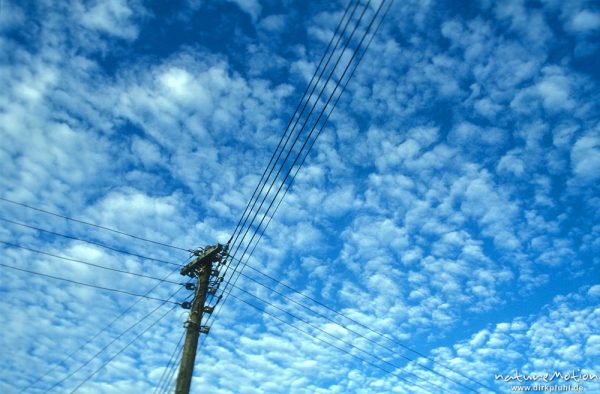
x=339 y=38
x=331 y=309
x=287 y=188
x=313 y=141
x=295 y=124
x=104 y=329
x=213 y=316
x=313 y=128
x=170 y=364
x=88 y=263
x=293 y=316
x=123 y=348
x=314 y=337
x=171 y=378
x=131 y=327
x=291 y=148
x=94 y=225
x=289 y=184
x=350 y=330
x=290 y=123
x=86 y=284
x=346 y=45
x=373 y=331
x=100 y=244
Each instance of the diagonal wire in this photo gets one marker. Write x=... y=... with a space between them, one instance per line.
x=289 y=184
x=87 y=263
x=131 y=327
x=170 y=364
x=288 y=127
x=295 y=141
x=346 y=45
x=331 y=309
x=323 y=316
x=100 y=244
x=314 y=337
x=371 y=330
x=85 y=284
x=170 y=381
x=308 y=138
x=100 y=332
x=94 y=225
x=339 y=38
x=123 y=348
x=213 y=316
x=314 y=327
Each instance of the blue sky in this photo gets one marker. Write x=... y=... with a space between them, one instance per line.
x=452 y=201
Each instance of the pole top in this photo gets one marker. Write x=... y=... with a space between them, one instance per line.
x=210 y=253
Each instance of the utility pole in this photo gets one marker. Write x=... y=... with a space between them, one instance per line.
x=207 y=283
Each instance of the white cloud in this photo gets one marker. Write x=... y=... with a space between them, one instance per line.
x=555 y=92
x=114 y=17
x=585 y=158
x=273 y=23
x=511 y=163
x=252 y=7
x=11 y=16
x=594 y=291
x=585 y=21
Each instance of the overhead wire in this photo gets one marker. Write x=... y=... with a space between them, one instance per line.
x=122 y=350
x=289 y=124
x=88 y=241
x=170 y=364
x=316 y=102
x=364 y=326
x=323 y=316
x=291 y=148
x=289 y=184
x=93 y=337
x=316 y=338
x=97 y=354
x=285 y=192
x=84 y=284
x=302 y=111
x=88 y=263
x=214 y=315
x=94 y=225
x=420 y=354
x=358 y=323
x=313 y=128
x=339 y=37
x=170 y=379
x=315 y=327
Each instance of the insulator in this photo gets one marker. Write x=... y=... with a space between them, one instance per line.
x=212 y=290
x=186 y=305
x=204 y=329
x=198 y=252
x=190 y=286
x=208 y=309
x=214 y=272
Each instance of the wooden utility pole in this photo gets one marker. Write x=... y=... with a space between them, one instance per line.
x=202 y=269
